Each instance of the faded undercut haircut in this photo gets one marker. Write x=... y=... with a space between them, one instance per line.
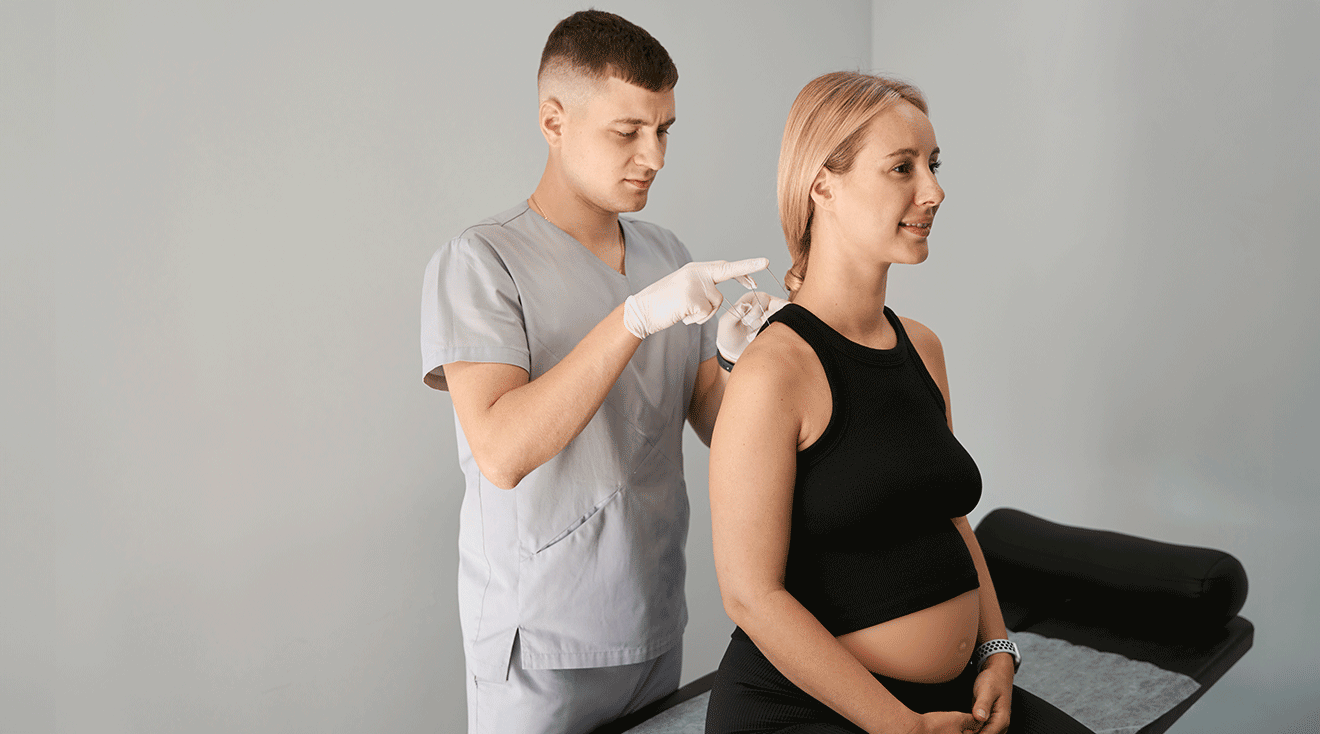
x=597 y=45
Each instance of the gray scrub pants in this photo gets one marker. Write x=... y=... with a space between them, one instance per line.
x=572 y=701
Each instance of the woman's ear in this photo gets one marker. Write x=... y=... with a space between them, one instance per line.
x=552 y=121
x=822 y=189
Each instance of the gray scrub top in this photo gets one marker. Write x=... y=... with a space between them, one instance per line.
x=584 y=558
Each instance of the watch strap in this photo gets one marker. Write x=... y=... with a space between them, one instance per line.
x=990 y=647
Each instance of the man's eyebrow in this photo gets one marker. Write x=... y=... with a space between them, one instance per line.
x=641 y=122
x=910 y=152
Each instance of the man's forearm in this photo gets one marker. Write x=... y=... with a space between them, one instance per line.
x=529 y=424
x=707 y=395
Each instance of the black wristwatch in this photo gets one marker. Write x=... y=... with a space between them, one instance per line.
x=726 y=364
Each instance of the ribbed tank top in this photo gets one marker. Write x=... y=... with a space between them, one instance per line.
x=872 y=534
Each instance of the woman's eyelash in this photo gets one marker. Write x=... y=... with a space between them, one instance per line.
x=907 y=167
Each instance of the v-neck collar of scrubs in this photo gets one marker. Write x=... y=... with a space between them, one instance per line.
x=568 y=238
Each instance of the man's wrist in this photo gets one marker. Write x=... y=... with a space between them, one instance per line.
x=633 y=320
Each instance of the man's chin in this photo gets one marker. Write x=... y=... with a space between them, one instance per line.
x=635 y=203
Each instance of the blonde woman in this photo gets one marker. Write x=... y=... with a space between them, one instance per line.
x=839 y=494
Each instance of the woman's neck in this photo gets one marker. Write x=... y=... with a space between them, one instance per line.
x=847 y=296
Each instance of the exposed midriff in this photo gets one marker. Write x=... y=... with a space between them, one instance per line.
x=932 y=645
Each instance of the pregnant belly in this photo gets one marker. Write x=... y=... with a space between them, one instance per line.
x=929 y=646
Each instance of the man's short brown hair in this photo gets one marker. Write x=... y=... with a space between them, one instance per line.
x=598 y=45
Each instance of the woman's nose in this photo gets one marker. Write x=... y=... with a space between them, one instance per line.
x=930 y=193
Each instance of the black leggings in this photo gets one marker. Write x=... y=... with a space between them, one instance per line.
x=750 y=696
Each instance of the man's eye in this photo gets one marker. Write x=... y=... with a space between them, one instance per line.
x=903 y=168
x=663 y=131
x=623 y=134
x=935 y=166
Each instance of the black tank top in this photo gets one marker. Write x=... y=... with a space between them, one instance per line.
x=872 y=532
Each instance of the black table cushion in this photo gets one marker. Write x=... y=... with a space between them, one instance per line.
x=1170 y=605
x=1120 y=581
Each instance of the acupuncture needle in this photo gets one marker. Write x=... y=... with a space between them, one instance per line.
x=757 y=301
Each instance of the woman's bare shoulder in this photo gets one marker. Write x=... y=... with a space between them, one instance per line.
x=930 y=350
x=776 y=355
x=921 y=335
x=780 y=385
x=928 y=345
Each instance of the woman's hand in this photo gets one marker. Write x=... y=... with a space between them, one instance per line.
x=946 y=722
x=993 y=693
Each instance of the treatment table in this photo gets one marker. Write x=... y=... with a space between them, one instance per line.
x=1111 y=618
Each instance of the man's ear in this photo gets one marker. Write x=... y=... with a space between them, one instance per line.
x=552 y=121
x=822 y=189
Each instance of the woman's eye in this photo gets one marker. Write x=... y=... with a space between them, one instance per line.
x=623 y=134
x=903 y=168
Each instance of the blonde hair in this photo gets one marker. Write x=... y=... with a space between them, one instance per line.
x=826 y=129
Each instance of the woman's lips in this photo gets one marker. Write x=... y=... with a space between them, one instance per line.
x=921 y=229
x=642 y=184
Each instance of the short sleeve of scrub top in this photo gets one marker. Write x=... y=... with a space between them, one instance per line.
x=471 y=311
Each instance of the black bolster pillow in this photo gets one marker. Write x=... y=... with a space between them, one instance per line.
x=1120 y=579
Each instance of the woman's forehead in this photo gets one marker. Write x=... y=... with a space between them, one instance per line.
x=901 y=126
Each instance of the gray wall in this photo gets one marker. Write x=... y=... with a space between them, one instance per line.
x=1123 y=276
x=228 y=503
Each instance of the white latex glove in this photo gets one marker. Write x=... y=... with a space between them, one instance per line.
x=740 y=324
x=687 y=294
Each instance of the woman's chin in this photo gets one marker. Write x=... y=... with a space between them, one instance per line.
x=916 y=255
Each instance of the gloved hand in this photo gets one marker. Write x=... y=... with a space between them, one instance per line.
x=740 y=324
x=687 y=294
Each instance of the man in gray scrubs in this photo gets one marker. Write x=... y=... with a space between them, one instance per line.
x=574 y=344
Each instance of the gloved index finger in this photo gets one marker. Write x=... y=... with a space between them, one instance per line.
x=739 y=270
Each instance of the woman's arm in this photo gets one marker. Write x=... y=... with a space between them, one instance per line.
x=753 y=463
x=994 y=685
x=992 y=620
x=993 y=688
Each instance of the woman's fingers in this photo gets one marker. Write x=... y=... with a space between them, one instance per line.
x=992 y=714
